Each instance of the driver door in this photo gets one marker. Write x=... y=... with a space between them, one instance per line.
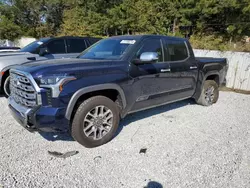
x=150 y=81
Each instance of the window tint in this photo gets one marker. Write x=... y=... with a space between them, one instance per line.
x=151 y=45
x=176 y=50
x=34 y=46
x=76 y=45
x=108 y=49
x=56 y=47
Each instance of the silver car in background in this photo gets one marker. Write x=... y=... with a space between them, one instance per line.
x=42 y=49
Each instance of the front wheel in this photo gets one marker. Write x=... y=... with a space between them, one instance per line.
x=95 y=122
x=209 y=94
x=6 y=87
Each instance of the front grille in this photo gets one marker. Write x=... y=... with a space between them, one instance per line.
x=22 y=90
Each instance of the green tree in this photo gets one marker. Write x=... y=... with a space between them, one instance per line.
x=74 y=23
x=9 y=30
x=227 y=20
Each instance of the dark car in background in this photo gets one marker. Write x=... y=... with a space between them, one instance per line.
x=42 y=49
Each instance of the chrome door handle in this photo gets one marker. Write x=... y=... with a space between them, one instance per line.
x=193 y=67
x=165 y=70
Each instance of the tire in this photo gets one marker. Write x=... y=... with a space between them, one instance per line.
x=90 y=129
x=207 y=96
x=6 y=87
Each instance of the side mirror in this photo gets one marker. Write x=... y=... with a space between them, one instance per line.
x=43 y=51
x=148 y=58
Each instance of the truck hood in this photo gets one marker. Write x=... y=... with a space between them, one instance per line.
x=16 y=53
x=73 y=66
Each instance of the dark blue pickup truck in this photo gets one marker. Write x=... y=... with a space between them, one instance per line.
x=88 y=95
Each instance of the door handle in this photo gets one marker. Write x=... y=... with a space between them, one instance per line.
x=193 y=67
x=31 y=58
x=165 y=70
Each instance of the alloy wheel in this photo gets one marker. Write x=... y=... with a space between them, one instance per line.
x=209 y=95
x=98 y=122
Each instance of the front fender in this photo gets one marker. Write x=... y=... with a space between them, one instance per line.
x=89 y=89
x=2 y=74
x=6 y=70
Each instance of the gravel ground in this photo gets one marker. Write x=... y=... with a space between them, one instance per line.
x=187 y=146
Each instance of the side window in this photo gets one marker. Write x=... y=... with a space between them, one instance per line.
x=151 y=45
x=93 y=40
x=56 y=46
x=176 y=50
x=76 y=45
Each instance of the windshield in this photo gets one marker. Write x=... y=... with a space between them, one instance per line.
x=108 y=49
x=32 y=47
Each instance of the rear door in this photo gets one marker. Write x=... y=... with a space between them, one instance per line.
x=183 y=68
x=75 y=46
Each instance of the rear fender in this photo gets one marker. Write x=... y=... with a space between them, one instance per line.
x=201 y=82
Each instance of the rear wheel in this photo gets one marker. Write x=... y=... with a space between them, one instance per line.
x=95 y=122
x=209 y=94
x=6 y=87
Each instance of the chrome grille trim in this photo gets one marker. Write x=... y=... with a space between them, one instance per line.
x=29 y=77
x=24 y=89
x=22 y=86
x=26 y=95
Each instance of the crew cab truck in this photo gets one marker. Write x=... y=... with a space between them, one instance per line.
x=117 y=76
x=42 y=49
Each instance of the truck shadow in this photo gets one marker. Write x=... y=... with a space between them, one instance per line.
x=152 y=112
x=52 y=137
x=125 y=122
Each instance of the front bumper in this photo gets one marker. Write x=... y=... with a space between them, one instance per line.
x=20 y=113
x=41 y=118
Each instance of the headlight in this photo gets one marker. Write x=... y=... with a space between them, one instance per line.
x=55 y=83
x=52 y=80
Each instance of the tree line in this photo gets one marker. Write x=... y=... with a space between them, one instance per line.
x=222 y=21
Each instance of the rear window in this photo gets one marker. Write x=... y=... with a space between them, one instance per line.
x=176 y=50
x=76 y=45
x=57 y=46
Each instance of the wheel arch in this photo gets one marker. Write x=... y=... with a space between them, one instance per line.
x=5 y=75
x=215 y=76
x=212 y=75
x=97 y=88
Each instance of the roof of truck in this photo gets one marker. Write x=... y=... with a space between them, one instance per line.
x=138 y=37
x=85 y=37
